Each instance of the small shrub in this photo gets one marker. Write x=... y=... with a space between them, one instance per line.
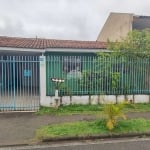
x=113 y=112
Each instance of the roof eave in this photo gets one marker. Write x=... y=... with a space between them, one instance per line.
x=75 y=50
x=22 y=49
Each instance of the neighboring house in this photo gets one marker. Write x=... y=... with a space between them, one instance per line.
x=28 y=64
x=118 y=25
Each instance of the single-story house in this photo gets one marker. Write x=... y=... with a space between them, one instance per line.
x=28 y=64
x=29 y=67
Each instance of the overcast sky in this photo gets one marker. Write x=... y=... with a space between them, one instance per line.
x=62 y=19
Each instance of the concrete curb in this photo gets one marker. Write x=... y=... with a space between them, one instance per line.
x=80 y=138
x=94 y=137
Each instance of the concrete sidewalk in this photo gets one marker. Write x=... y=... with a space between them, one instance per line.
x=19 y=128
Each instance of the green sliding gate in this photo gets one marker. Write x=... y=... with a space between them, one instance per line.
x=19 y=83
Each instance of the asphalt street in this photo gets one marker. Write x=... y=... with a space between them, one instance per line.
x=117 y=144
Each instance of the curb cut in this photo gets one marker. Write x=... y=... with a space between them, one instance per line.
x=94 y=137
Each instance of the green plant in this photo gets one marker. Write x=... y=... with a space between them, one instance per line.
x=90 y=82
x=85 y=83
x=64 y=90
x=113 y=112
x=115 y=80
x=136 y=44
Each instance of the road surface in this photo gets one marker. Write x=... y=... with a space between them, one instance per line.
x=117 y=144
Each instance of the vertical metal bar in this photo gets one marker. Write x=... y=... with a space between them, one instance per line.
x=1 y=82
x=141 y=76
x=31 y=83
x=126 y=82
x=50 y=65
x=147 y=70
x=83 y=78
x=100 y=74
x=131 y=75
x=6 y=102
x=131 y=78
x=113 y=67
x=37 y=79
x=105 y=73
x=14 y=92
x=33 y=99
x=98 y=88
x=28 y=78
x=98 y=68
x=90 y=89
x=47 y=75
x=73 y=79
x=72 y=67
x=109 y=67
x=134 y=76
x=24 y=82
x=11 y=80
x=124 y=86
x=38 y=83
x=20 y=79
x=17 y=82
x=2 y=88
x=34 y=72
x=86 y=69
x=137 y=76
x=144 y=68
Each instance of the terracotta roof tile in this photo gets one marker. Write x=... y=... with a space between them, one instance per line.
x=38 y=43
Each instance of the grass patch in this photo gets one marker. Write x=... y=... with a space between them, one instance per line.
x=137 y=107
x=89 y=109
x=71 y=109
x=85 y=128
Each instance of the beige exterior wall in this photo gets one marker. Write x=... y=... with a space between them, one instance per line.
x=116 y=27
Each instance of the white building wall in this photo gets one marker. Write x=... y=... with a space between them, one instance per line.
x=102 y=99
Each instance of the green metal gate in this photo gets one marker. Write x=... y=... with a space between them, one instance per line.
x=19 y=83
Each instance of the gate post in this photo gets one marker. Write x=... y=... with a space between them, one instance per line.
x=42 y=79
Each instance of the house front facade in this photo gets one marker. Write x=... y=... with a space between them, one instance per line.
x=29 y=67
